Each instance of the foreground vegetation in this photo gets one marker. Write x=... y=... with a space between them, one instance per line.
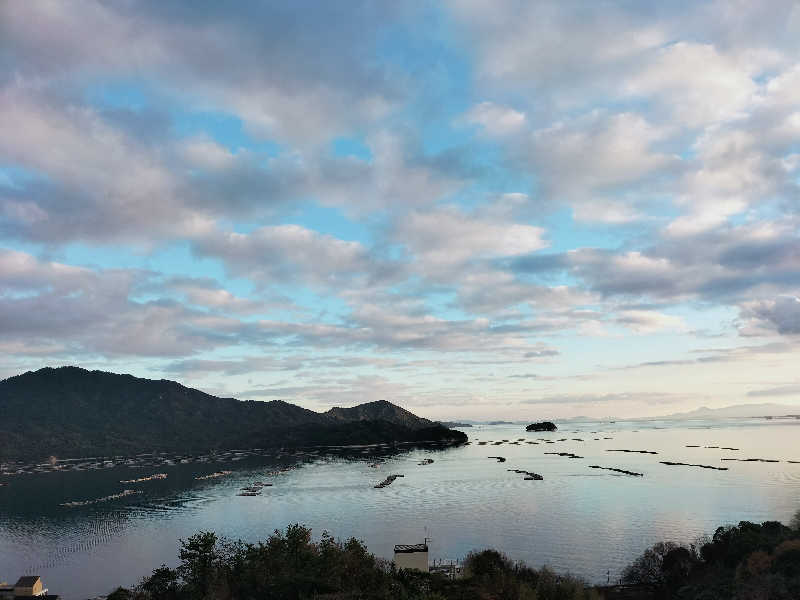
x=290 y=566
x=743 y=562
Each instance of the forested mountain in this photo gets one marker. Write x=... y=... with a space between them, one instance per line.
x=380 y=410
x=69 y=411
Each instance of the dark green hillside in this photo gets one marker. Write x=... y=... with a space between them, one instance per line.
x=381 y=410
x=70 y=411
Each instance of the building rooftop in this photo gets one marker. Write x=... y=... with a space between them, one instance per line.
x=400 y=548
x=27 y=581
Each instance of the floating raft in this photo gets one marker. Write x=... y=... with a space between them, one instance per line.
x=122 y=494
x=683 y=464
x=764 y=460
x=213 y=475
x=529 y=476
x=567 y=454
x=623 y=471
x=149 y=478
x=388 y=481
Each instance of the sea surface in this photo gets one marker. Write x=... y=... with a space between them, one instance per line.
x=586 y=521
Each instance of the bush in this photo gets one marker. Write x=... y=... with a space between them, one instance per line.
x=786 y=559
x=649 y=567
x=795 y=522
x=743 y=562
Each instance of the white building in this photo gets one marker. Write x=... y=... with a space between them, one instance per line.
x=27 y=586
x=411 y=556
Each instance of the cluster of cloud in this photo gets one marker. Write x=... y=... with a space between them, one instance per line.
x=470 y=183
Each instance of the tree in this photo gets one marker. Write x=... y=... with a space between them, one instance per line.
x=161 y=585
x=120 y=594
x=795 y=522
x=648 y=568
x=786 y=559
x=198 y=558
x=488 y=565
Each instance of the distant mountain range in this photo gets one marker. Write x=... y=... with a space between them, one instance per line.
x=72 y=412
x=739 y=410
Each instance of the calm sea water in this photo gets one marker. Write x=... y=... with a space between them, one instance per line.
x=589 y=522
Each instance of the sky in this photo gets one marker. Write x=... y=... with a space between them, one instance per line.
x=475 y=210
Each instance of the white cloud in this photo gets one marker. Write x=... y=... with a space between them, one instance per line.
x=495 y=119
x=447 y=238
x=596 y=152
x=395 y=178
x=522 y=44
x=81 y=312
x=303 y=80
x=694 y=83
x=648 y=321
x=781 y=315
x=287 y=253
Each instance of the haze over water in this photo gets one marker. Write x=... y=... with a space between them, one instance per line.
x=589 y=522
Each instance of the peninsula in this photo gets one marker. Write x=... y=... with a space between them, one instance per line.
x=73 y=412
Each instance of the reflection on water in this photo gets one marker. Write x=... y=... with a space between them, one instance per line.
x=584 y=520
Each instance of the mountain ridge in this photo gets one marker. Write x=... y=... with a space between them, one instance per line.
x=382 y=410
x=71 y=412
x=763 y=409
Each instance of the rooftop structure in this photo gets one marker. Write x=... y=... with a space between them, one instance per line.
x=411 y=556
x=27 y=586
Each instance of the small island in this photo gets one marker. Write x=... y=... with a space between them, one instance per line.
x=542 y=426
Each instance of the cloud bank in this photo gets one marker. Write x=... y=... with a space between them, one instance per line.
x=447 y=206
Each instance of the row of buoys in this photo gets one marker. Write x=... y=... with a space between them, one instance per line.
x=142 y=460
x=529 y=475
x=764 y=460
x=213 y=475
x=651 y=452
x=388 y=481
x=254 y=489
x=121 y=494
x=143 y=479
x=566 y=454
x=623 y=471
x=675 y=464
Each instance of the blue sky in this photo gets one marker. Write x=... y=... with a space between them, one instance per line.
x=472 y=209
